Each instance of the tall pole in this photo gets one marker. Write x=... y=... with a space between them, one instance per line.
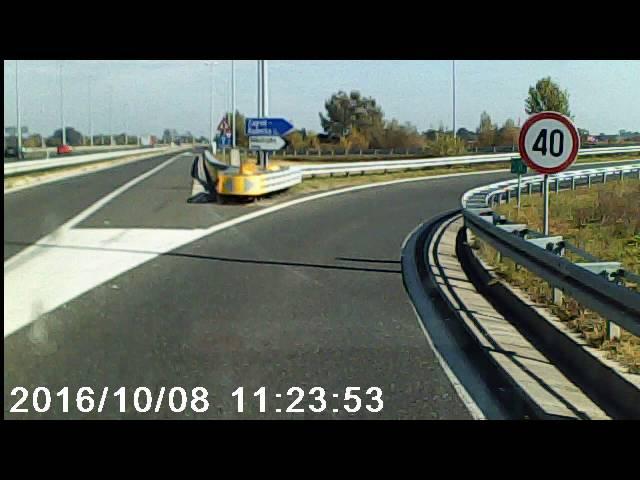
x=263 y=98
x=211 y=120
x=453 y=67
x=259 y=97
x=64 y=133
x=18 y=120
x=90 y=114
x=110 y=114
x=233 y=104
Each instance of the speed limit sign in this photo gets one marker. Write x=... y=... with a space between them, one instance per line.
x=549 y=142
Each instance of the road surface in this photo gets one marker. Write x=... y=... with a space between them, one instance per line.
x=309 y=295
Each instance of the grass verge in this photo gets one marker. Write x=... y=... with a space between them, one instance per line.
x=604 y=221
x=319 y=184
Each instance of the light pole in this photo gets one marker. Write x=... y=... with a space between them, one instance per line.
x=233 y=104
x=90 y=113
x=453 y=68
x=18 y=122
x=211 y=119
x=263 y=103
x=110 y=115
x=64 y=133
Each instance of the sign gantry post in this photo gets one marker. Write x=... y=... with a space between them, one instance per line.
x=548 y=143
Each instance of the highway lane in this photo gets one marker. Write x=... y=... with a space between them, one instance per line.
x=307 y=296
x=32 y=213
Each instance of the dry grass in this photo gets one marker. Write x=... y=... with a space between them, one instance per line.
x=603 y=220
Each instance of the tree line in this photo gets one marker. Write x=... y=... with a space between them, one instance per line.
x=353 y=121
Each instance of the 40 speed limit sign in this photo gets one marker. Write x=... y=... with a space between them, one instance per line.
x=548 y=142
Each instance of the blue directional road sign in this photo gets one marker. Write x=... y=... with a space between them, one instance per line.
x=267 y=127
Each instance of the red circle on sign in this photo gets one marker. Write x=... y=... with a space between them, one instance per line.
x=567 y=123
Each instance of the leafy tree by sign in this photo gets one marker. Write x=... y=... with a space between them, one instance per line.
x=346 y=112
x=546 y=95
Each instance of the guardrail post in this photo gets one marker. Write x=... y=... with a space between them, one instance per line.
x=508 y=195
x=589 y=181
x=529 y=188
x=557 y=296
x=557 y=184
x=604 y=177
x=573 y=183
x=612 y=331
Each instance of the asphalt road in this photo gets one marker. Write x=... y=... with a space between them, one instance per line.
x=310 y=295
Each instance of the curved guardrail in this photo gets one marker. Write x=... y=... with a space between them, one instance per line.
x=391 y=165
x=597 y=285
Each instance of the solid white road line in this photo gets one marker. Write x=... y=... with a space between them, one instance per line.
x=46 y=275
x=67 y=176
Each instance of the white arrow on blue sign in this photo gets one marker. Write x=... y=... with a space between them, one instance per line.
x=267 y=127
x=266 y=143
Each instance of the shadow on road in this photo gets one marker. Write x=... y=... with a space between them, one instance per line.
x=228 y=259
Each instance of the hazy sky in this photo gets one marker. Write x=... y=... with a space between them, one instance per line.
x=149 y=96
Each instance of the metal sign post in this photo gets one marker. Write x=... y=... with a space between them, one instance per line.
x=545 y=211
x=548 y=143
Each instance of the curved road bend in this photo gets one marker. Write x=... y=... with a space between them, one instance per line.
x=310 y=295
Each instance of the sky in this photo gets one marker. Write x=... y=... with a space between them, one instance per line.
x=149 y=96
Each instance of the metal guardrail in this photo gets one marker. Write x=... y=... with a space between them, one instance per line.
x=336 y=151
x=596 y=285
x=400 y=164
x=29 y=166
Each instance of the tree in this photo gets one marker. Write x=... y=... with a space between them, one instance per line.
x=487 y=131
x=33 y=141
x=509 y=133
x=346 y=112
x=547 y=96
x=73 y=137
x=446 y=144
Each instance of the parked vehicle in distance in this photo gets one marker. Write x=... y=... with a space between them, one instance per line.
x=64 y=149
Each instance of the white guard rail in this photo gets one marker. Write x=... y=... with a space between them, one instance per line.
x=390 y=165
x=28 y=166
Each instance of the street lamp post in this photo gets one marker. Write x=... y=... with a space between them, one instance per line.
x=18 y=120
x=453 y=67
x=263 y=103
x=233 y=104
x=110 y=115
x=90 y=114
x=211 y=118
x=64 y=133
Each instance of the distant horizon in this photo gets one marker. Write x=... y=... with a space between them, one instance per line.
x=151 y=96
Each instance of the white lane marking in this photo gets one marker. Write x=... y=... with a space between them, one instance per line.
x=77 y=261
x=28 y=252
x=89 y=172
x=38 y=262
x=45 y=275
x=467 y=400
